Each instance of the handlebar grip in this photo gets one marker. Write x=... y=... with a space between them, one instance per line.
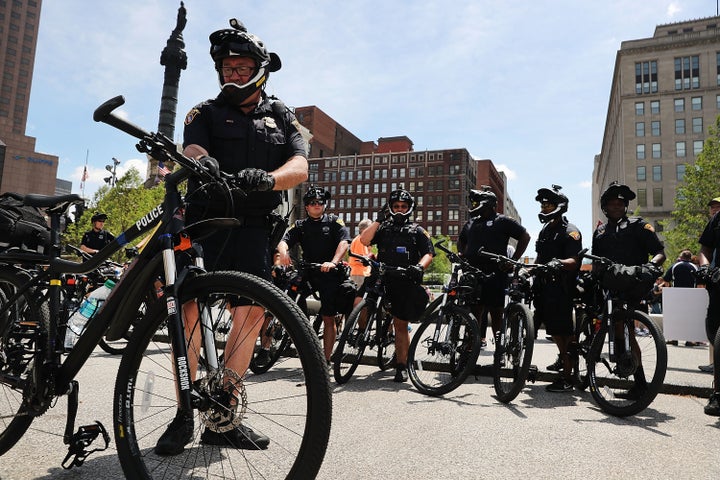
x=104 y=114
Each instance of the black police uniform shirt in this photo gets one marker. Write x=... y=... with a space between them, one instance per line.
x=402 y=245
x=320 y=238
x=265 y=138
x=558 y=240
x=492 y=235
x=97 y=240
x=631 y=241
x=710 y=236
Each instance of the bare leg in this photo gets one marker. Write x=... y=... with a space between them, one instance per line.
x=402 y=340
x=329 y=335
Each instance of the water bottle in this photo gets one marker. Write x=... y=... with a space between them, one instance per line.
x=89 y=306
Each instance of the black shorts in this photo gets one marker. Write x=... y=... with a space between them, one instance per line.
x=242 y=249
x=554 y=308
x=327 y=284
x=407 y=299
x=712 y=319
x=492 y=291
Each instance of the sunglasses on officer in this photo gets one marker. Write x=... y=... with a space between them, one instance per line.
x=313 y=203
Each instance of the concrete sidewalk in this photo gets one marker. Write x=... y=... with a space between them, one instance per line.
x=682 y=378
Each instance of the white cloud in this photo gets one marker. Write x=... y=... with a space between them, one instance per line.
x=509 y=173
x=586 y=184
x=673 y=9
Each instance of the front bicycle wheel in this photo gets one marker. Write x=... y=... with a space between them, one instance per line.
x=581 y=348
x=22 y=341
x=627 y=383
x=443 y=350
x=292 y=406
x=359 y=329
x=513 y=352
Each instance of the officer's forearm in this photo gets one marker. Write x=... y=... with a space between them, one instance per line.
x=292 y=173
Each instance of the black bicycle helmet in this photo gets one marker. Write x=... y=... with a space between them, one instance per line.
x=315 y=192
x=401 y=196
x=554 y=197
x=97 y=216
x=481 y=198
x=616 y=190
x=238 y=42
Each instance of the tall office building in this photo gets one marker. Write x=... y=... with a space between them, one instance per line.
x=665 y=94
x=22 y=169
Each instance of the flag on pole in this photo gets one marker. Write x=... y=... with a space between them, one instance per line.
x=85 y=174
x=162 y=169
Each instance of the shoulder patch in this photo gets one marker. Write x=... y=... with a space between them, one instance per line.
x=339 y=221
x=191 y=115
x=575 y=235
x=296 y=124
x=647 y=226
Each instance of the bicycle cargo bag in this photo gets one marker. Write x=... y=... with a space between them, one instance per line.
x=22 y=226
x=631 y=281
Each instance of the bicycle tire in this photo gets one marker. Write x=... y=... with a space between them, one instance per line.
x=437 y=367
x=386 y=349
x=293 y=406
x=351 y=346
x=613 y=385
x=22 y=344
x=513 y=352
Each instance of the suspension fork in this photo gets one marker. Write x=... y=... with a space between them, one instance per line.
x=206 y=325
x=176 y=329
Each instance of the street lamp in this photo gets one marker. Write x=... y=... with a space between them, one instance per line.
x=112 y=180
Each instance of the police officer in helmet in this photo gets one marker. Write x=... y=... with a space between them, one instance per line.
x=97 y=237
x=324 y=239
x=402 y=243
x=257 y=139
x=558 y=246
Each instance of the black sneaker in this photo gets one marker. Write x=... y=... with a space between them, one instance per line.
x=557 y=366
x=241 y=437
x=706 y=368
x=713 y=406
x=560 y=385
x=177 y=435
x=401 y=374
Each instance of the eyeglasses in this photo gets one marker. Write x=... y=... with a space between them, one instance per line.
x=241 y=70
x=313 y=203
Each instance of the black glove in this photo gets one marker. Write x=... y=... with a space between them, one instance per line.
x=652 y=269
x=255 y=180
x=554 y=265
x=415 y=273
x=212 y=165
x=383 y=214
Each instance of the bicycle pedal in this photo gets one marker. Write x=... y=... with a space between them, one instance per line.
x=86 y=434
x=532 y=373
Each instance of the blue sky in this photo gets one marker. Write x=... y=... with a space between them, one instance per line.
x=523 y=83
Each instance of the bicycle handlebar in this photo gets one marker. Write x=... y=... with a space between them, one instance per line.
x=584 y=254
x=374 y=264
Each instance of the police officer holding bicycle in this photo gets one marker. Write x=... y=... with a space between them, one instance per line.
x=558 y=245
x=402 y=243
x=324 y=239
x=258 y=139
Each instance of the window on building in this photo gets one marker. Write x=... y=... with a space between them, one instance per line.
x=655 y=107
x=640 y=151
x=642 y=197
x=641 y=175
x=717 y=101
x=453 y=215
x=656 y=150
x=657 y=173
x=646 y=77
x=655 y=128
x=680 y=150
x=680 y=172
x=687 y=72
x=658 y=197
x=697 y=147
x=679 y=126
x=430 y=216
x=639 y=129
x=696 y=103
x=639 y=108
x=420 y=199
x=697 y=125
x=679 y=104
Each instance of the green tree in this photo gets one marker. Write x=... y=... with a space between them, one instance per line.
x=124 y=204
x=700 y=183
x=440 y=266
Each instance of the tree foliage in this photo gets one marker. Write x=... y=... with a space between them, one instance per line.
x=700 y=184
x=124 y=204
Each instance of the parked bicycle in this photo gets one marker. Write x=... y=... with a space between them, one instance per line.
x=515 y=340
x=445 y=346
x=293 y=407
x=370 y=324
x=293 y=280
x=627 y=360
